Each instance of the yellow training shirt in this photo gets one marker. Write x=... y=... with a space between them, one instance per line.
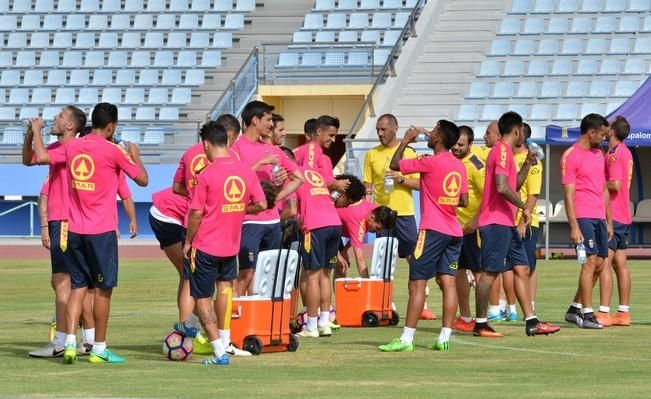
x=481 y=151
x=476 y=171
x=532 y=186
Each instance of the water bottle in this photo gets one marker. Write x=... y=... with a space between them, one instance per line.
x=536 y=149
x=422 y=136
x=47 y=126
x=389 y=184
x=335 y=195
x=581 y=256
x=275 y=171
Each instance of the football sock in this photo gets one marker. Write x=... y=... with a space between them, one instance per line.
x=466 y=319
x=502 y=305
x=59 y=340
x=587 y=310
x=531 y=321
x=623 y=308
x=445 y=334
x=512 y=309
x=217 y=348
x=324 y=319
x=89 y=335
x=99 y=347
x=71 y=339
x=604 y=309
x=225 y=336
x=493 y=309
x=533 y=305
x=407 y=336
x=311 y=323
x=575 y=308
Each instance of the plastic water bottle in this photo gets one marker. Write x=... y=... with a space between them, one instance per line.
x=389 y=184
x=275 y=171
x=335 y=195
x=536 y=149
x=422 y=136
x=47 y=126
x=581 y=256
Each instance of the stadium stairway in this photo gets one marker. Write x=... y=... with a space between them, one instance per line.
x=272 y=21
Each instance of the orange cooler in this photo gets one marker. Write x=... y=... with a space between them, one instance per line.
x=365 y=302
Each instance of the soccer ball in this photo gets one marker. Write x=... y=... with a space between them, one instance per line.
x=177 y=346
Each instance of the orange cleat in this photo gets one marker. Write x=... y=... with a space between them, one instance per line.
x=427 y=314
x=486 y=332
x=462 y=326
x=621 y=319
x=604 y=319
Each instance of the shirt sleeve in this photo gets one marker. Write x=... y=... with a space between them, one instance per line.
x=503 y=165
x=124 y=192
x=614 y=168
x=255 y=189
x=413 y=165
x=410 y=153
x=179 y=176
x=568 y=168
x=534 y=179
x=200 y=194
x=326 y=169
x=368 y=168
x=464 y=181
x=57 y=155
x=124 y=161
x=285 y=162
x=357 y=234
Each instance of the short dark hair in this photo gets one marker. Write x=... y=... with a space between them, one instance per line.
x=275 y=118
x=449 y=133
x=592 y=121
x=288 y=151
x=103 y=114
x=310 y=126
x=390 y=117
x=386 y=216
x=229 y=122
x=255 y=108
x=527 y=131
x=214 y=133
x=78 y=118
x=621 y=127
x=508 y=121
x=356 y=189
x=326 y=121
x=467 y=130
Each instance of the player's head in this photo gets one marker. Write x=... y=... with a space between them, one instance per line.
x=71 y=120
x=288 y=151
x=445 y=133
x=462 y=147
x=326 y=130
x=511 y=124
x=213 y=135
x=381 y=218
x=270 y=192
x=492 y=134
x=386 y=128
x=354 y=193
x=232 y=126
x=619 y=128
x=278 y=133
x=594 y=127
x=526 y=133
x=105 y=119
x=309 y=129
x=256 y=115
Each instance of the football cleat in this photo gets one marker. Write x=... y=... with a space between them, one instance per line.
x=325 y=331
x=48 y=350
x=574 y=318
x=223 y=360
x=84 y=349
x=542 y=328
x=604 y=319
x=622 y=319
x=439 y=346
x=231 y=350
x=591 y=323
x=70 y=354
x=305 y=333
x=397 y=346
x=427 y=314
x=105 y=357
x=486 y=332
x=183 y=329
x=462 y=326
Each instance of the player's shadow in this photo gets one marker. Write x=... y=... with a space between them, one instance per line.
x=148 y=351
x=19 y=349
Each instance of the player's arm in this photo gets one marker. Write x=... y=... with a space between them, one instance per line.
x=267 y=160
x=289 y=210
x=42 y=157
x=142 y=179
x=295 y=181
x=614 y=185
x=463 y=200
x=524 y=170
x=609 y=216
x=28 y=151
x=179 y=188
x=130 y=209
x=570 y=212
x=42 y=217
x=368 y=175
x=502 y=186
x=360 y=262
x=194 y=221
x=410 y=137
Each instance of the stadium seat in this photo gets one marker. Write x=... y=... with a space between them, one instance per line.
x=167 y=114
x=234 y=21
x=101 y=77
x=500 y=47
x=43 y=6
x=53 y=22
x=89 y=6
x=334 y=58
x=125 y=77
x=166 y=21
x=402 y=18
x=490 y=68
x=533 y=26
x=600 y=88
x=538 y=68
x=642 y=45
x=539 y=112
x=140 y=58
x=548 y=47
x=6 y=59
x=592 y=6
x=85 y=40
x=646 y=26
x=148 y=77
x=199 y=40
x=509 y=26
x=380 y=57
x=557 y=25
x=642 y=213
x=639 y=6
x=567 y=112
x=382 y=20
x=111 y=5
x=189 y=21
x=348 y=36
x=572 y=47
x=245 y=5
x=117 y=59
x=335 y=21
x=144 y=21
x=155 y=135
x=17 y=40
x=634 y=66
x=358 y=21
x=392 y=4
x=120 y=22
x=33 y=77
x=520 y=6
x=610 y=67
x=134 y=95
x=478 y=90
x=124 y=113
x=503 y=90
x=358 y=58
x=629 y=24
x=79 y=77
x=30 y=22
x=391 y=37
x=596 y=46
x=625 y=88
x=587 y=67
x=171 y=77
x=164 y=58
x=347 y=5
x=577 y=88
x=311 y=59
x=324 y=5
x=491 y=112
x=559 y=215
x=25 y=58
x=513 y=68
x=56 y=77
x=605 y=24
x=615 y=6
x=131 y=40
x=527 y=89
x=50 y=112
x=303 y=37
x=88 y=95
x=287 y=59
x=156 y=5
x=7 y=113
x=468 y=112
x=66 y=5
x=544 y=209
x=9 y=78
x=223 y=6
x=315 y=21
x=592 y=108
x=94 y=59
x=65 y=95
x=153 y=40
x=49 y=58
x=561 y=67
x=194 y=77
x=550 y=89
x=372 y=36
x=179 y=5
x=28 y=112
x=158 y=95
x=39 y=40
x=187 y=58
x=98 y=22
x=18 y=96
x=620 y=46
x=543 y=6
x=108 y=40
x=42 y=95
x=326 y=36
x=581 y=25
x=181 y=95
x=370 y=4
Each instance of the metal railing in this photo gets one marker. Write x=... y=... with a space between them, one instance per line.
x=240 y=89
x=31 y=205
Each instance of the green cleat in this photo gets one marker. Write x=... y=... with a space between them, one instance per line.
x=396 y=346
x=439 y=346
x=70 y=354
x=201 y=345
x=105 y=357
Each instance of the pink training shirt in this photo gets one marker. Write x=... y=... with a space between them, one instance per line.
x=310 y=155
x=353 y=221
x=171 y=204
x=250 y=153
x=192 y=161
x=224 y=189
x=585 y=169
x=442 y=181
x=315 y=204
x=619 y=167
x=494 y=208
x=58 y=192
x=94 y=165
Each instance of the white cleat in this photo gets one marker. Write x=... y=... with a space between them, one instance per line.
x=233 y=351
x=48 y=350
x=305 y=333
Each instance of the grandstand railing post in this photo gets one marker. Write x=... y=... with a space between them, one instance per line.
x=31 y=219
x=412 y=26
x=371 y=107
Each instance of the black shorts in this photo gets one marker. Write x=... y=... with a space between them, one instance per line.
x=595 y=236
x=620 y=236
x=255 y=238
x=166 y=233
x=61 y=260
x=204 y=270
x=530 y=245
x=501 y=248
x=320 y=247
x=470 y=257
x=435 y=253
x=406 y=233
x=95 y=260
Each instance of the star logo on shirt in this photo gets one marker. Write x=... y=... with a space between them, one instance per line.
x=234 y=189
x=452 y=184
x=82 y=167
x=314 y=178
x=198 y=163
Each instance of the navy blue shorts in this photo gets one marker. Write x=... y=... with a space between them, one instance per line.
x=61 y=261
x=166 y=233
x=320 y=247
x=620 y=236
x=406 y=233
x=95 y=260
x=501 y=248
x=470 y=257
x=435 y=253
x=595 y=236
x=205 y=270
x=530 y=245
x=256 y=238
